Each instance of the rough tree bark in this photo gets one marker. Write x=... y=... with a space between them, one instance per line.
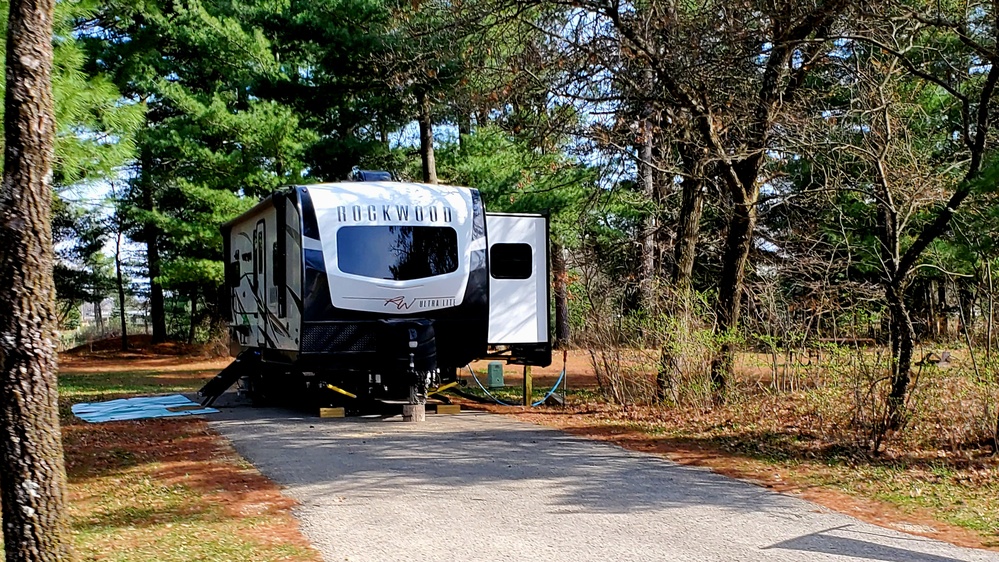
x=691 y=209
x=902 y=344
x=561 y=294
x=119 y=278
x=426 y=137
x=671 y=360
x=192 y=326
x=647 y=182
x=32 y=475
x=728 y=308
x=157 y=304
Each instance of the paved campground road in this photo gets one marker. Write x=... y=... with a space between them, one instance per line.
x=484 y=487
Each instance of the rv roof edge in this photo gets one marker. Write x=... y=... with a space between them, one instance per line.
x=260 y=205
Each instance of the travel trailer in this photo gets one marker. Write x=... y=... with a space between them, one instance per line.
x=379 y=290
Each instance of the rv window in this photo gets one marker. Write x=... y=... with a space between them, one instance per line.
x=511 y=261
x=398 y=253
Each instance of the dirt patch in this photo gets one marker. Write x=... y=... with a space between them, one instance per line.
x=578 y=368
x=138 y=344
x=107 y=356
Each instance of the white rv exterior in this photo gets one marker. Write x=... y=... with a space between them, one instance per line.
x=325 y=277
x=368 y=207
x=518 y=288
x=265 y=313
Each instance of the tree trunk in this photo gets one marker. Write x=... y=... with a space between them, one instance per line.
x=157 y=305
x=561 y=293
x=32 y=474
x=194 y=313
x=671 y=360
x=990 y=317
x=738 y=243
x=464 y=127
x=647 y=181
x=646 y=176
x=426 y=138
x=383 y=136
x=691 y=208
x=98 y=317
x=920 y=309
x=966 y=301
x=902 y=344
x=121 y=291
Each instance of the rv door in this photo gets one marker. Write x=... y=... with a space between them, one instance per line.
x=519 y=285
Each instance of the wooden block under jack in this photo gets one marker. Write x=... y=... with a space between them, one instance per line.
x=449 y=408
x=332 y=412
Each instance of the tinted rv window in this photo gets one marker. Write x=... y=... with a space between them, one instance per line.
x=399 y=253
x=510 y=261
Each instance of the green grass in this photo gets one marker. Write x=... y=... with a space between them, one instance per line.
x=139 y=519
x=942 y=490
x=99 y=387
x=515 y=394
x=138 y=494
x=959 y=496
x=84 y=387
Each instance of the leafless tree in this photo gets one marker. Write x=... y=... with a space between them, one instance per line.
x=950 y=49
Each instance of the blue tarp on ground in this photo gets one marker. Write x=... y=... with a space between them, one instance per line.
x=139 y=408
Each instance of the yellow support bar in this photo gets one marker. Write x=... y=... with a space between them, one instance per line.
x=443 y=388
x=341 y=391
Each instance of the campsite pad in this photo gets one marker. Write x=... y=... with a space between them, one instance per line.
x=142 y=407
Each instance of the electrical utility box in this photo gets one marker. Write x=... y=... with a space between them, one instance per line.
x=494 y=375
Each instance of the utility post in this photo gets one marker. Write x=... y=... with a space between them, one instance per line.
x=528 y=385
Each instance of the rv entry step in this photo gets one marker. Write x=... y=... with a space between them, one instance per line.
x=222 y=381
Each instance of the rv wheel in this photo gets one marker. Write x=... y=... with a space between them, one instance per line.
x=261 y=391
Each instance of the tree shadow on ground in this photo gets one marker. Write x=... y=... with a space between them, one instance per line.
x=480 y=457
x=828 y=542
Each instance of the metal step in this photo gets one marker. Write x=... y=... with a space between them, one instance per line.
x=222 y=381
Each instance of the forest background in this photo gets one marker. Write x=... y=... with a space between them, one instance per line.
x=749 y=198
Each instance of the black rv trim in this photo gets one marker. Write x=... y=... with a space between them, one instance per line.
x=296 y=196
x=279 y=264
x=310 y=224
x=227 y=272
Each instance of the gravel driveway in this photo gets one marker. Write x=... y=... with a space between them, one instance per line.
x=483 y=487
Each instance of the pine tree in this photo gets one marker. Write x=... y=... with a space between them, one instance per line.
x=32 y=474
